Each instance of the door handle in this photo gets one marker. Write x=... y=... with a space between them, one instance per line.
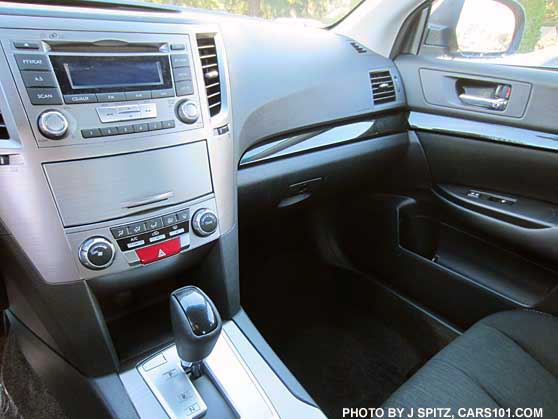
x=495 y=104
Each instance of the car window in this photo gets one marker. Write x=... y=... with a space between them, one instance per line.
x=522 y=32
x=315 y=13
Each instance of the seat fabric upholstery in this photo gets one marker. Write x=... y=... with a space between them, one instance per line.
x=507 y=360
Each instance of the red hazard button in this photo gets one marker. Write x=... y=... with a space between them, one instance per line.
x=159 y=251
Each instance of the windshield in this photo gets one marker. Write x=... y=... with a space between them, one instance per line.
x=317 y=13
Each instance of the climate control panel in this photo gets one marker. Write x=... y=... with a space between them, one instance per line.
x=118 y=247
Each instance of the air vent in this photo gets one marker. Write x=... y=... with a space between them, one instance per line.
x=210 y=67
x=383 y=89
x=358 y=47
x=3 y=130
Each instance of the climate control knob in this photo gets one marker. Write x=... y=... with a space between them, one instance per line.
x=188 y=111
x=53 y=124
x=96 y=253
x=204 y=222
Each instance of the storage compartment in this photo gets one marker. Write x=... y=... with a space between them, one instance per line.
x=497 y=269
x=101 y=189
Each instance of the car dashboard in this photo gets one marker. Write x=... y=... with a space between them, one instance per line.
x=131 y=141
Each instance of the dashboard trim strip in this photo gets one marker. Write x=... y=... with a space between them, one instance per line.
x=327 y=136
x=483 y=131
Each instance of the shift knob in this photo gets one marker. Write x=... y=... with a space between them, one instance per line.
x=196 y=324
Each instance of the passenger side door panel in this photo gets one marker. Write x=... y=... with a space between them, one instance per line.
x=484 y=237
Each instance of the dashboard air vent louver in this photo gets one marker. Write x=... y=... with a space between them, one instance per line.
x=383 y=89
x=210 y=67
x=3 y=130
x=358 y=47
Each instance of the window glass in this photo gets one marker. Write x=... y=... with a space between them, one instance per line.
x=316 y=13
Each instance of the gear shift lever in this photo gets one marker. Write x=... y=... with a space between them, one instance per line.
x=196 y=325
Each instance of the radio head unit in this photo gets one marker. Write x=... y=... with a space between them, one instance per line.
x=81 y=90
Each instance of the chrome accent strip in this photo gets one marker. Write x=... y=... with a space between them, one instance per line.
x=233 y=378
x=483 y=131
x=309 y=140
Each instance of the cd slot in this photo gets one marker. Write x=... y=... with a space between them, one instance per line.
x=106 y=46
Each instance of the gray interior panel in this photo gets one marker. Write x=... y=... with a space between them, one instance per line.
x=94 y=190
x=323 y=79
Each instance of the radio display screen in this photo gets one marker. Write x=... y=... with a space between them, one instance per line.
x=96 y=74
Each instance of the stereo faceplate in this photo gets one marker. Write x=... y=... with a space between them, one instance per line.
x=104 y=112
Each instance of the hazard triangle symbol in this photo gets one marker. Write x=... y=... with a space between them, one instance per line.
x=161 y=254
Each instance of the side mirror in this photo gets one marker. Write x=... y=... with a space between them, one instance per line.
x=476 y=28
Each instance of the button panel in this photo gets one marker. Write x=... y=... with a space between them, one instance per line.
x=127 y=112
x=139 y=240
x=490 y=197
x=126 y=129
x=132 y=236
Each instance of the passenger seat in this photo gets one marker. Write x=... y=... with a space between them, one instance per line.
x=507 y=360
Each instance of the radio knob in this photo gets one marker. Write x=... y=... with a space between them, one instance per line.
x=188 y=111
x=53 y=124
x=96 y=253
x=204 y=222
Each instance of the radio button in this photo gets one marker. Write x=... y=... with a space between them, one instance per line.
x=154 y=126
x=85 y=98
x=28 y=45
x=107 y=114
x=184 y=88
x=158 y=94
x=181 y=74
x=168 y=124
x=90 y=133
x=32 y=62
x=148 y=110
x=111 y=97
x=141 y=127
x=180 y=60
x=109 y=131
x=44 y=96
x=125 y=129
x=38 y=79
x=138 y=95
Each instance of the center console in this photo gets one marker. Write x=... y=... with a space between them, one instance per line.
x=118 y=183
x=128 y=140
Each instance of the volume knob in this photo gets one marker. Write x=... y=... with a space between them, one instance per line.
x=53 y=124
x=188 y=111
